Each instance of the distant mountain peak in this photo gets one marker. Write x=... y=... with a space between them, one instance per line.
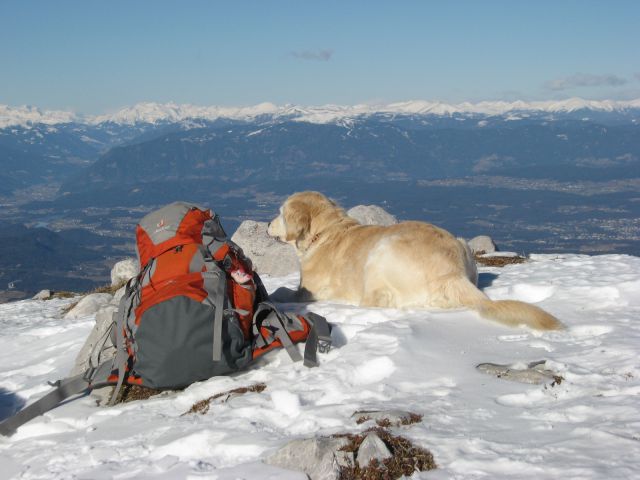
x=153 y=112
x=30 y=115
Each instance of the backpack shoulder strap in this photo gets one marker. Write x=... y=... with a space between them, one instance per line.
x=65 y=388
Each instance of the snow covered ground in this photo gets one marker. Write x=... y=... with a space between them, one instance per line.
x=476 y=425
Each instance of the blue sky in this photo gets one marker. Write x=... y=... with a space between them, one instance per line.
x=94 y=57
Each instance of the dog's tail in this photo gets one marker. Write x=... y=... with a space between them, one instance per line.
x=507 y=312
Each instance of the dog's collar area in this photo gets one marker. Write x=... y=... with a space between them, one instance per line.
x=313 y=240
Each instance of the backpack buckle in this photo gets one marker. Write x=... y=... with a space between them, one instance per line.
x=324 y=346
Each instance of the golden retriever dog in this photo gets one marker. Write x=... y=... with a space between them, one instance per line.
x=408 y=265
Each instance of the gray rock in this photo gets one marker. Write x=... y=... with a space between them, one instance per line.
x=345 y=459
x=124 y=270
x=42 y=295
x=89 y=305
x=118 y=296
x=482 y=243
x=371 y=215
x=98 y=336
x=268 y=255
x=314 y=456
x=372 y=447
x=395 y=417
x=535 y=373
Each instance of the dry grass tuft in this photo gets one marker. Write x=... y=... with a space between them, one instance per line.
x=498 y=261
x=203 y=406
x=111 y=289
x=131 y=393
x=62 y=294
x=406 y=458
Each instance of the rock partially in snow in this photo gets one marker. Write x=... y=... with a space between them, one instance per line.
x=314 y=456
x=268 y=255
x=372 y=448
x=345 y=459
x=89 y=305
x=124 y=270
x=535 y=373
x=100 y=337
x=371 y=215
x=391 y=417
x=42 y=295
x=482 y=243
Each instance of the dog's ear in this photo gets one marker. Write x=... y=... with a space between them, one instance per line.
x=297 y=220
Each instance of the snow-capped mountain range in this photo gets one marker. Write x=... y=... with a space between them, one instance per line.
x=151 y=112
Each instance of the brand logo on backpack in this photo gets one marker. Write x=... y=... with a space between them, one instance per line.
x=161 y=226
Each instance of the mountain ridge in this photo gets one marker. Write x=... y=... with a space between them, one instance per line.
x=153 y=112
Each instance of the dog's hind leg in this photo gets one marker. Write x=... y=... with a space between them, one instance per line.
x=378 y=297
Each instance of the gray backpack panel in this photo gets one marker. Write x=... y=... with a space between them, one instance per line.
x=175 y=340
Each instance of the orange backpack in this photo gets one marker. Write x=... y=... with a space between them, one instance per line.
x=195 y=310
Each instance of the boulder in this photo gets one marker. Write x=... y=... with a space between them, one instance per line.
x=42 y=295
x=317 y=457
x=482 y=243
x=124 y=270
x=89 y=305
x=269 y=256
x=371 y=215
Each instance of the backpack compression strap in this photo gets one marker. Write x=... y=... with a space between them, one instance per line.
x=319 y=339
x=273 y=328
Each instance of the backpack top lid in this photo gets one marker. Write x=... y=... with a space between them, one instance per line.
x=178 y=223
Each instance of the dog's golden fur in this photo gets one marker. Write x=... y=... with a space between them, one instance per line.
x=408 y=265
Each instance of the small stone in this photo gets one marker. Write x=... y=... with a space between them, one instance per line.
x=42 y=295
x=372 y=215
x=386 y=418
x=372 y=448
x=482 y=243
x=534 y=374
x=124 y=270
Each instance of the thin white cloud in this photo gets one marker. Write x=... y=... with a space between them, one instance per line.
x=317 y=55
x=585 y=80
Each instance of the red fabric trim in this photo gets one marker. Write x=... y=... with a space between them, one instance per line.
x=297 y=336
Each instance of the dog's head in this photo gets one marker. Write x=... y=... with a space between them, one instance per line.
x=298 y=219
